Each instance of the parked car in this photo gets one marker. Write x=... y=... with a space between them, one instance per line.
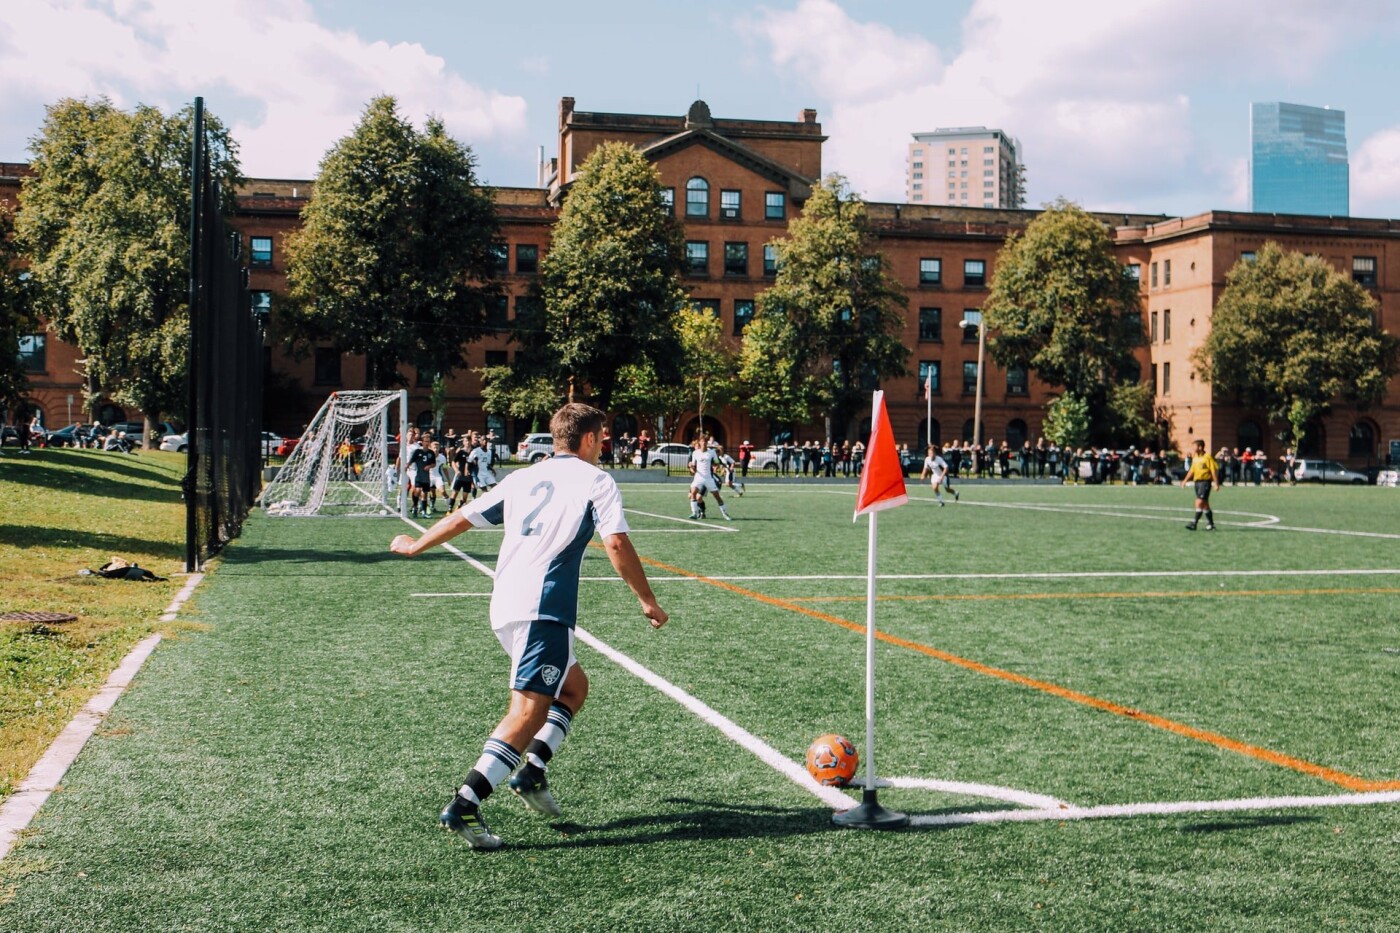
x=136 y=430
x=665 y=455
x=1326 y=471
x=288 y=445
x=75 y=435
x=9 y=434
x=270 y=443
x=768 y=458
x=534 y=447
x=176 y=442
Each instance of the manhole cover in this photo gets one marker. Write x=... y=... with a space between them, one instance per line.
x=38 y=617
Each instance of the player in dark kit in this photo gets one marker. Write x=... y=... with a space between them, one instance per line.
x=462 y=482
x=420 y=465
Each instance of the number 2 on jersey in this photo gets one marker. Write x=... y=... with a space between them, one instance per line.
x=530 y=526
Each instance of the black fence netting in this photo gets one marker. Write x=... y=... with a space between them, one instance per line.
x=225 y=373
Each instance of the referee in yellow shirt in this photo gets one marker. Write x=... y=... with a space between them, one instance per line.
x=1205 y=473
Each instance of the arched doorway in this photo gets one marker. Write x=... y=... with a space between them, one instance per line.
x=1250 y=435
x=967 y=431
x=1361 y=441
x=712 y=427
x=929 y=433
x=1314 y=441
x=1015 y=433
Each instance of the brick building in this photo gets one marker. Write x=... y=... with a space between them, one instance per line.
x=736 y=184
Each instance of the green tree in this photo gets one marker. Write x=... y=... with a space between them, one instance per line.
x=610 y=286
x=708 y=373
x=16 y=319
x=1062 y=305
x=1067 y=421
x=830 y=328
x=104 y=223
x=1292 y=335
x=395 y=257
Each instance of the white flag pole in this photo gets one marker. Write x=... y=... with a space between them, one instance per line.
x=870 y=657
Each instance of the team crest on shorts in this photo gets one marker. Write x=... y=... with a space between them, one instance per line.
x=549 y=673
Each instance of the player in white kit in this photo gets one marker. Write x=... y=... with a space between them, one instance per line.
x=549 y=512
x=936 y=470
x=702 y=467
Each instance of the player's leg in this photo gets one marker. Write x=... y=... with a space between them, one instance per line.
x=938 y=490
x=694 y=501
x=530 y=783
x=714 y=491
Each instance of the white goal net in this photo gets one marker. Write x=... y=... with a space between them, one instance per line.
x=343 y=463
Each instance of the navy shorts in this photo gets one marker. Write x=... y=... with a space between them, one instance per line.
x=1203 y=489
x=541 y=653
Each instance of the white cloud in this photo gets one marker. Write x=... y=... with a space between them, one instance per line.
x=1097 y=91
x=288 y=86
x=1375 y=175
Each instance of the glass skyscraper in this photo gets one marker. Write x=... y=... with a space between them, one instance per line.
x=1298 y=160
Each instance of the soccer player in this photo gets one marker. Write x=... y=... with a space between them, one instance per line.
x=702 y=468
x=1205 y=473
x=729 y=467
x=420 y=482
x=435 y=475
x=936 y=470
x=549 y=512
x=461 y=483
x=481 y=456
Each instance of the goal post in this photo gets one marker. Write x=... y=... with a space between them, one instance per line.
x=345 y=462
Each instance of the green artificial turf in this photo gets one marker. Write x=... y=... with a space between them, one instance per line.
x=283 y=770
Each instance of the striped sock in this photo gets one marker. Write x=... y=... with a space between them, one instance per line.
x=498 y=759
x=551 y=735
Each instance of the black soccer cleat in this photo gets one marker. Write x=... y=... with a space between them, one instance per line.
x=535 y=793
x=465 y=820
x=1190 y=526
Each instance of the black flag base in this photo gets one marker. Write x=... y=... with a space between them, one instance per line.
x=870 y=815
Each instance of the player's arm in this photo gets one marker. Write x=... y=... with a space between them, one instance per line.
x=447 y=528
x=629 y=566
x=1214 y=473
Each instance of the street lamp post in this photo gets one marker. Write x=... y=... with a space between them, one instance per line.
x=974 y=319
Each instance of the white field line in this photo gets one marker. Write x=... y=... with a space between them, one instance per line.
x=442 y=595
x=1049 y=807
x=44 y=778
x=688 y=522
x=1162 y=808
x=453 y=550
x=1048 y=575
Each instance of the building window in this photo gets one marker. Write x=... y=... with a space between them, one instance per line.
x=260 y=250
x=969 y=377
x=930 y=377
x=33 y=353
x=261 y=303
x=1154 y=379
x=697 y=257
x=736 y=259
x=1167 y=326
x=1166 y=272
x=498 y=313
x=729 y=205
x=425 y=378
x=1154 y=275
x=1247 y=255
x=918 y=197
x=1166 y=378
x=930 y=271
x=1363 y=270
x=1135 y=271
x=1154 y=326
x=918 y=165
x=327 y=366
x=743 y=313
x=709 y=305
x=527 y=258
x=1361 y=441
x=497 y=358
x=770 y=259
x=697 y=198
x=931 y=324
x=668 y=198
x=974 y=273
x=774 y=205
x=1016 y=380
x=500 y=258
x=918 y=174
x=969 y=332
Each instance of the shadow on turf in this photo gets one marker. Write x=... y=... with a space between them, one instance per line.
x=41 y=536
x=1246 y=822
x=61 y=480
x=111 y=462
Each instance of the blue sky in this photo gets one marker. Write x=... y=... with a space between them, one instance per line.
x=1137 y=106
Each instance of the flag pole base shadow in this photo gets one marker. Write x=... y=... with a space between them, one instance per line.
x=870 y=815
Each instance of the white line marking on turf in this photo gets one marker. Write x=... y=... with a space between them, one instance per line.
x=439 y=595
x=1009 y=794
x=688 y=522
x=31 y=794
x=453 y=550
x=1048 y=575
x=1163 y=808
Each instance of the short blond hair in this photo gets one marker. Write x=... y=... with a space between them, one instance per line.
x=570 y=423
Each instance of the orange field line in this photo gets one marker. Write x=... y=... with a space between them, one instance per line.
x=951 y=597
x=1332 y=775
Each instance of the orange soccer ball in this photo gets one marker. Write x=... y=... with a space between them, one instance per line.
x=832 y=760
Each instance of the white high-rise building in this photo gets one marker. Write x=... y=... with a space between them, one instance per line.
x=969 y=166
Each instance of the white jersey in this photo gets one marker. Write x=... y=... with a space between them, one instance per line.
x=482 y=458
x=936 y=466
x=704 y=463
x=549 y=513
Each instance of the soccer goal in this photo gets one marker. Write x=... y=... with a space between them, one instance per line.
x=344 y=464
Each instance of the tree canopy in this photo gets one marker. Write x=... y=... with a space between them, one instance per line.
x=1292 y=335
x=16 y=319
x=830 y=327
x=609 y=289
x=104 y=223
x=397 y=251
x=708 y=373
x=1063 y=306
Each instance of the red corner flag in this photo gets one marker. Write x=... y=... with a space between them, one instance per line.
x=882 y=481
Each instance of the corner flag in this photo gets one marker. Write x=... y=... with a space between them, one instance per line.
x=881 y=487
x=882 y=481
